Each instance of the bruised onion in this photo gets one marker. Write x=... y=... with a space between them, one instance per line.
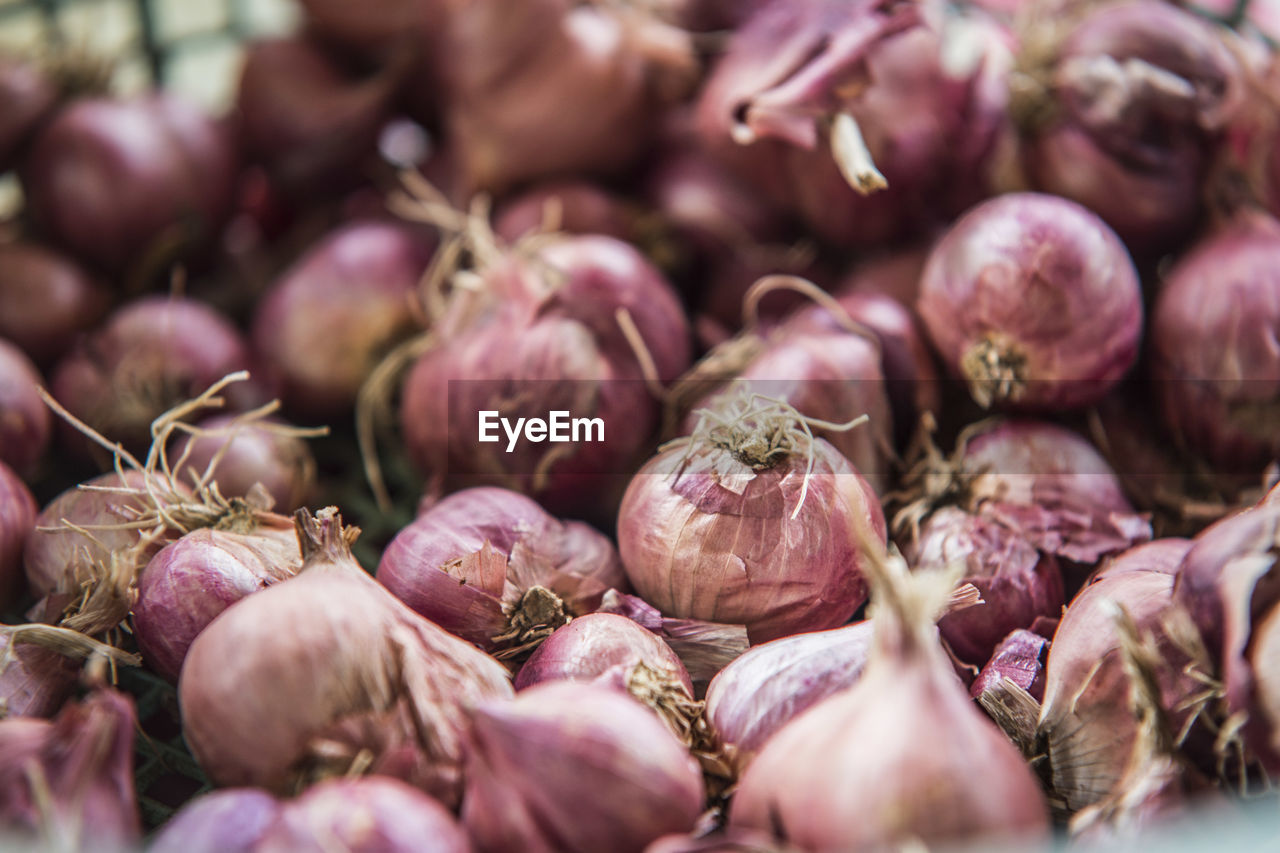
x=327 y=320
x=126 y=183
x=1214 y=356
x=1020 y=658
x=1034 y=302
x=232 y=820
x=46 y=299
x=265 y=453
x=69 y=782
x=858 y=770
x=494 y=568
x=24 y=419
x=146 y=358
x=319 y=672
x=190 y=581
x=17 y=521
x=535 y=761
x=749 y=521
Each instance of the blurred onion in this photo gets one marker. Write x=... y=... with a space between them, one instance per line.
x=46 y=299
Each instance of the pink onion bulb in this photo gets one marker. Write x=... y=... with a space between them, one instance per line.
x=574 y=207
x=17 y=522
x=575 y=768
x=30 y=95
x=591 y=646
x=46 y=299
x=232 y=820
x=1213 y=342
x=24 y=418
x=247 y=455
x=1034 y=302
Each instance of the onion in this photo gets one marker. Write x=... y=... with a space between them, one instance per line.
x=1262 y=659
x=1214 y=355
x=29 y=95
x=1159 y=555
x=149 y=356
x=266 y=453
x=572 y=206
x=591 y=646
x=126 y=184
x=1019 y=658
x=233 y=820
x=375 y=30
x=1120 y=116
x=373 y=814
x=858 y=770
x=17 y=521
x=330 y=317
x=310 y=123
x=1034 y=302
x=538 y=760
x=604 y=70
x=305 y=678
x=46 y=299
x=492 y=567
x=35 y=676
x=190 y=581
x=24 y=424
x=721 y=526
x=732 y=841
x=1018 y=583
x=84 y=758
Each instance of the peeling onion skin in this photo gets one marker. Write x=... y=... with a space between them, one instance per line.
x=1044 y=286
x=592 y=645
x=25 y=422
x=1215 y=345
x=722 y=547
x=232 y=820
x=46 y=299
x=537 y=760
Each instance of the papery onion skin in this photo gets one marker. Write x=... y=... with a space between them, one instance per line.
x=119 y=180
x=723 y=547
x=254 y=454
x=190 y=581
x=1215 y=360
x=1020 y=657
x=24 y=418
x=325 y=323
x=568 y=558
x=591 y=645
x=369 y=815
x=232 y=820
x=46 y=299
x=535 y=762
x=331 y=658
x=34 y=681
x=148 y=356
x=1045 y=289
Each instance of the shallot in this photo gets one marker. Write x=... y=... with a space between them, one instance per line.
x=266 y=453
x=24 y=419
x=46 y=299
x=29 y=94
x=232 y=820
x=40 y=667
x=17 y=521
x=1019 y=658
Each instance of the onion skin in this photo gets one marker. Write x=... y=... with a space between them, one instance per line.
x=85 y=756
x=1046 y=289
x=326 y=322
x=29 y=96
x=149 y=356
x=190 y=581
x=538 y=759
x=1019 y=658
x=46 y=299
x=1159 y=555
x=421 y=564
x=117 y=180
x=590 y=646
x=717 y=543
x=232 y=820
x=254 y=454
x=34 y=681
x=354 y=670
x=368 y=815
x=24 y=419
x=1213 y=342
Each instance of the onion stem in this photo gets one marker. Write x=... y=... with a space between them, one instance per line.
x=852 y=156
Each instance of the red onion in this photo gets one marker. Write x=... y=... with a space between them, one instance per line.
x=592 y=645
x=127 y=183
x=24 y=420
x=190 y=581
x=267 y=452
x=304 y=118
x=369 y=815
x=233 y=820
x=494 y=568
x=46 y=299
x=1034 y=302
x=17 y=522
x=37 y=670
x=1018 y=583
x=858 y=770
x=1121 y=114
x=604 y=70
x=1019 y=658
x=84 y=758
x=302 y=679
x=330 y=317
x=575 y=207
x=29 y=95
x=149 y=356
x=573 y=768
x=1214 y=355
x=722 y=526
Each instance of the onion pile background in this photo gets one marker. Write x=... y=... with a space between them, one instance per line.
x=937 y=348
